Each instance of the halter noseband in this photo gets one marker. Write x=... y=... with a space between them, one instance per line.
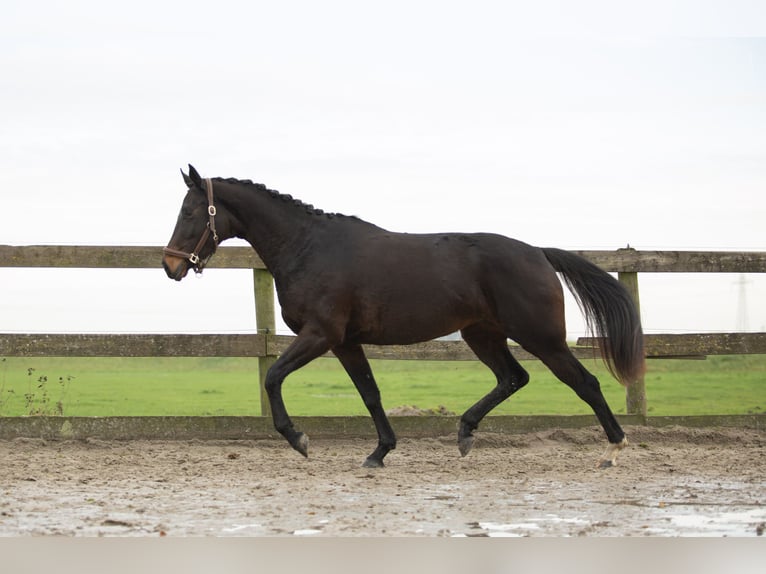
x=193 y=257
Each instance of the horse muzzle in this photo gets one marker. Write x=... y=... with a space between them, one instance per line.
x=175 y=267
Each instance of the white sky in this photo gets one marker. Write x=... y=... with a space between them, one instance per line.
x=580 y=125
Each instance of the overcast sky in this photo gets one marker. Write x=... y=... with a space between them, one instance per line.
x=581 y=125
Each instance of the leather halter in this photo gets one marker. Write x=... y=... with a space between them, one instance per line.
x=193 y=257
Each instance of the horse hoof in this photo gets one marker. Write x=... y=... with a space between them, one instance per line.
x=302 y=444
x=609 y=458
x=465 y=444
x=373 y=463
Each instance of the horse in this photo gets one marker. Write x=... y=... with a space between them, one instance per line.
x=342 y=283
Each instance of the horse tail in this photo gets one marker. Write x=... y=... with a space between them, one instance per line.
x=610 y=313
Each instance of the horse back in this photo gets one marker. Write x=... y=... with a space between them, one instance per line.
x=398 y=288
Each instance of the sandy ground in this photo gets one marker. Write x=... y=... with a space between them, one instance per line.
x=669 y=482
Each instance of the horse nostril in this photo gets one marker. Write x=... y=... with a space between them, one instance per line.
x=177 y=273
x=168 y=270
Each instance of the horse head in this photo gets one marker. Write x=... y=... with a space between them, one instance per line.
x=195 y=237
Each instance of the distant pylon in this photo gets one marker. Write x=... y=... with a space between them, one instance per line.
x=742 y=282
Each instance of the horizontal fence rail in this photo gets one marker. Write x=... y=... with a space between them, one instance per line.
x=266 y=345
x=252 y=345
x=621 y=260
x=115 y=257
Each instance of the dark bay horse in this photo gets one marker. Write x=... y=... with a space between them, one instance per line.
x=343 y=282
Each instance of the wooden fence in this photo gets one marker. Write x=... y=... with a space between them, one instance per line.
x=267 y=345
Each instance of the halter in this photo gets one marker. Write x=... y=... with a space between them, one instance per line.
x=193 y=257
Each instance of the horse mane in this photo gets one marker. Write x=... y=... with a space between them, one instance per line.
x=287 y=198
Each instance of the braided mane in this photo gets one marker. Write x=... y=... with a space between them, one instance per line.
x=308 y=208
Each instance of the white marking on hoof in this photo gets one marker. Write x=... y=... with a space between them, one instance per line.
x=609 y=458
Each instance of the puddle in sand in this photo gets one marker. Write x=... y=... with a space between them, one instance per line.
x=243 y=530
x=497 y=530
x=734 y=523
x=535 y=526
x=306 y=532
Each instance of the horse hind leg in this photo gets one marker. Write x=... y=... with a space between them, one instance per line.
x=491 y=347
x=609 y=458
x=570 y=371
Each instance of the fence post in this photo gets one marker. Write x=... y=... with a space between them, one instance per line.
x=635 y=395
x=266 y=324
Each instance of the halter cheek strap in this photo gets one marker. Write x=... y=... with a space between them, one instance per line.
x=193 y=257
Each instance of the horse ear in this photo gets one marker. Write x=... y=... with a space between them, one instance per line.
x=195 y=177
x=187 y=180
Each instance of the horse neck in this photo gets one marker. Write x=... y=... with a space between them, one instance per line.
x=275 y=228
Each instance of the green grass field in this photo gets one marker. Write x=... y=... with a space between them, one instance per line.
x=224 y=386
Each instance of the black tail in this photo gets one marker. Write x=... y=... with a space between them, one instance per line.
x=609 y=310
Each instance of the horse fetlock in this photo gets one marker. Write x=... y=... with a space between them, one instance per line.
x=465 y=438
x=387 y=445
x=609 y=458
x=375 y=460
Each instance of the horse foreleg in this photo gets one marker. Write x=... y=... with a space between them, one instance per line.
x=307 y=346
x=353 y=360
x=491 y=347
